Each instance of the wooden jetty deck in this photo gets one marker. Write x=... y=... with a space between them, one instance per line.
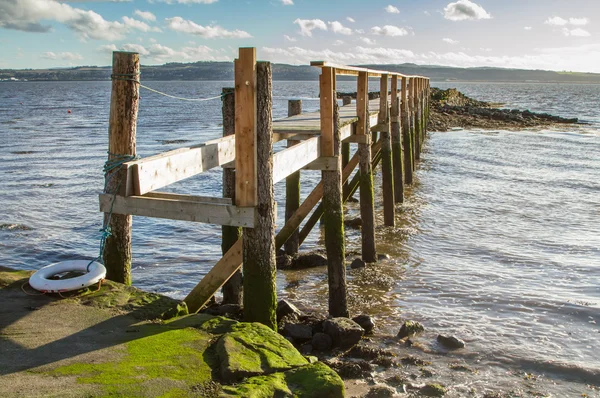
x=388 y=130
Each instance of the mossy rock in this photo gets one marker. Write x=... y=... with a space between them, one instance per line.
x=312 y=381
x=163 y=362
x=9 y=276
x=410 y=328
x=252 y=349
x=207 y=323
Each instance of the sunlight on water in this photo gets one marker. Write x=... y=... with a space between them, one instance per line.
x=498 y=240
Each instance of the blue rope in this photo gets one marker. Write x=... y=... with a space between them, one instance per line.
x=111 y=168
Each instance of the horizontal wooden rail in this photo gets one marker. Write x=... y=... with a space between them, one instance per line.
x=178 y=207
x=158 y=171
x=294 y=158
x=345 y=70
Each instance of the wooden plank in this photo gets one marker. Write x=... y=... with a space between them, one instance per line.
x=294 y=158
x=362 y=93
x=326 y=84
x=354 y=70
x=188 y=198
x=323 y=163
x=158 y=171
x=216 y=277
x=173 y=209
x=359 y=139
x=245 y=128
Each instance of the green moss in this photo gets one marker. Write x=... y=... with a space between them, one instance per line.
x=252 y=349
x=312 y=381
x=9 y=276
x=207 y=323
x=175 y=357
x=433 y=390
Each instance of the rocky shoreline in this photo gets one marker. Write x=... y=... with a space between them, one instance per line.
x=451 y=109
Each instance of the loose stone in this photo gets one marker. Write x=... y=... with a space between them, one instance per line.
x=450 y=341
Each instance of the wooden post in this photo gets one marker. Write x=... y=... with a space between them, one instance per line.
x=232 y=289
x=396 y=143
x=411 y=107
x=418 y=127
x=121 y=141
x=387 y=168
x=245 y=128
x=405 y=119
x=292 y=189
x=367 y=205
x=346 y=100
x=333 y=216
x=260 y=294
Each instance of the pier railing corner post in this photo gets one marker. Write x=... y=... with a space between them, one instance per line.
x=387 y=168
x=124 y=105
x=333 y=211
x=254 y=143
x=292 y=189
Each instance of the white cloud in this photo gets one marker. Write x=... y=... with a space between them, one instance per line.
x=107 y=48
x=190 y=1
x=337 y=27
x=64 y=56
x=487 y=50
x=579 y=21
x=556 y=21
x=350 y=19
x=179 y=24
x=465 y=10
x=147 y=15
x=449 y=41
x=368 y=41
x=392 y=10
x=288 y=38
x=427 y=13
x=26 y=15
x=338 y=42
x=287 y=2
x=389 y=30
x=360 y=31
x=308 y=25
x=528 y=28
x=136 y=48
x=577 y=32
x=139 y=25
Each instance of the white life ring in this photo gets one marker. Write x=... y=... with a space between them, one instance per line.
x=93 y=274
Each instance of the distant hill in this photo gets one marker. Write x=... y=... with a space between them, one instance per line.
x=224 y=71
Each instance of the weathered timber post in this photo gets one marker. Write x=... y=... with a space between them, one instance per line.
x=396 y=143
x=333 y=211
x=417 y=121
x=346 y=100
x=387 y=168
x=411 y=105
x=232 y=289
x=405 y=116
x=367 y=205
x=420 y=115
x=121 y=141
x=292 y=189
x=254 y=139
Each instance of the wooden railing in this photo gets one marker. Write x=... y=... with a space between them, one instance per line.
x=316 y=141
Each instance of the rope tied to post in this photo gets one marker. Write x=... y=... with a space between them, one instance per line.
x=111 y=168
x=134 y=77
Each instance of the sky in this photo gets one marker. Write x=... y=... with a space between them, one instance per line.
x=531 y=34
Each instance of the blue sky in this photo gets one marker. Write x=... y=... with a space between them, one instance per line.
x=531 y=34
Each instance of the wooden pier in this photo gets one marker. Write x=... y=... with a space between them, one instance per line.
x=389 y=130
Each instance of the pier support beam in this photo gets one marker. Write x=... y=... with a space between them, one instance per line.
x=292 y=189
x=367 y=205
x=418 y=119
x=406 y=134
x=254 y=130
x=412 y=119
x=396 y=143
x=346 y=100
x=232 y=289
x=333 y=215
x=124 y=104
x=387 y=169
